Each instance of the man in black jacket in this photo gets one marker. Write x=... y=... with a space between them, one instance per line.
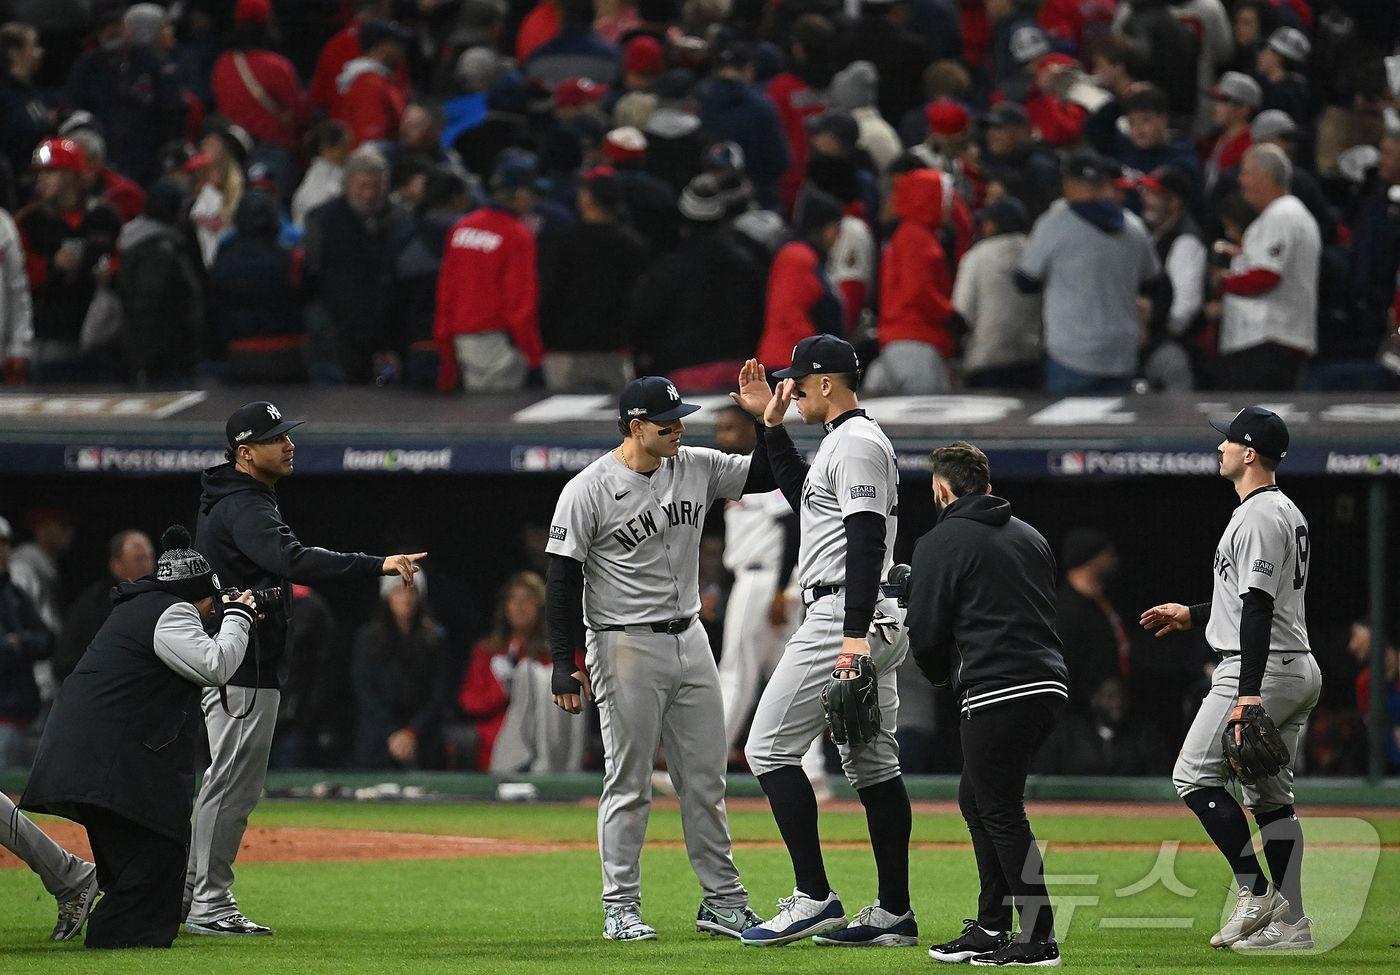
x=241 y=531
x=118 y=751
x=982 y=589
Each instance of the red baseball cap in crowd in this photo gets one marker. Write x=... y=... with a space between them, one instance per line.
x=60 y=154
x=644 y=55
x=625 y=145
x=578 y=92
x=947 y=117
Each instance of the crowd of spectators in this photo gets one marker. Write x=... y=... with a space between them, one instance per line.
x=1069 y=195
x=393 y=688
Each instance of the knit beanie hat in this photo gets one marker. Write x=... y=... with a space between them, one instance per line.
x=181 y=570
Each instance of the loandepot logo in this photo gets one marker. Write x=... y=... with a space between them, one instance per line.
x=1370 y=464
x=397 y=461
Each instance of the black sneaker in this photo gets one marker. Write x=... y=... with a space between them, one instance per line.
x=1039 y=954
x=233 y=925
x=973 y=941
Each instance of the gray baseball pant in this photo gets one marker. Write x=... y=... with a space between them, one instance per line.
x=660 y=688
x=1290 y=692
x=238 y=752
x=789 y=716
x=64 y=875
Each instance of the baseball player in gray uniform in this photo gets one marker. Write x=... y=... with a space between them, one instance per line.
x=625 y=555
x=847 y=501
x=1266 y=677
x=70 y=879
x=760 y=550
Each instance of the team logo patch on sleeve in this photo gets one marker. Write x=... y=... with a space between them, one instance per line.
x=1267 y=568
x=558 y=534
x=863 y=491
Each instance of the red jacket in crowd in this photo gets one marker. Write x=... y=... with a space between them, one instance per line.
x=277 y=112
x=339 y=51
x=487 y=284
x=795 y=287
x=796 y=101
x=370 y=101
x=123 y=195
x=915 y=282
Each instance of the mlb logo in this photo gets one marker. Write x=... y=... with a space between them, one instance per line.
x=534 y=459
x=88 y=459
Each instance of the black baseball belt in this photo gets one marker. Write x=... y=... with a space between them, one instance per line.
x=664 y=626
x=813 y=593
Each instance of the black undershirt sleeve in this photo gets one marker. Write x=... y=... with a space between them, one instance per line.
x=1200 y=614
x=1256 y=626
x=865 y=554
x=792 y=545
x=760 y=479
x=564 y=618
x=789 y=469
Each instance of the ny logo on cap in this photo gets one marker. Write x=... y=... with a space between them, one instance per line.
x=671 y=392
x=272 y=412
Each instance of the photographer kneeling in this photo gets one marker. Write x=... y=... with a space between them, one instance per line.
x=118 y=752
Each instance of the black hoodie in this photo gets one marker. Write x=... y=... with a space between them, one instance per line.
x=982 y=606
x=241 y=532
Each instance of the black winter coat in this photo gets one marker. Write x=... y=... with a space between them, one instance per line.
x=982 y=605
x=241 y=532
x=348 y=269
x=583 y=270
x=123 y=731
x=162 y=302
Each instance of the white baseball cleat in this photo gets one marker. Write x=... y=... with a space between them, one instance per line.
x=799 y=916
x=626 y=924
x=1279 y=935
x=1252 y=912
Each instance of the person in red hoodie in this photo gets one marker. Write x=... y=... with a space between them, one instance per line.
x=370 y=101
x=915 y=295
x=256 y=87
x=801 y=301
x=487 y=321
x=343 y=48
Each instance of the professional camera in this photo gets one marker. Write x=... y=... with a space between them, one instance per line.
x=899 y=576
x=267 y=600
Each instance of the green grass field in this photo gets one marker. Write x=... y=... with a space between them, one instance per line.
x=540 y=911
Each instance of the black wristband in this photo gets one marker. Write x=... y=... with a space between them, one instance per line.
x=241 y=609
x=1200 y=614
x=562 y=681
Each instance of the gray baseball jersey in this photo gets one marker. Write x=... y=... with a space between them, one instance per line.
x=854 y=470
x=638 y=536
x=1265 y=547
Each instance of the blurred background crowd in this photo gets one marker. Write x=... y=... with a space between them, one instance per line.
x=376 y=681
x=1069 y=195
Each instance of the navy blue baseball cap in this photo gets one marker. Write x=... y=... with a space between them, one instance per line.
x=653 y=398
x=257 y=423
x=820 y=354
x=1256 y=427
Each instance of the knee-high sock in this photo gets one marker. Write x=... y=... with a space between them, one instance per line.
x=1223 y=819
x=1283 y=849
x=889 y=819
x=794 y=806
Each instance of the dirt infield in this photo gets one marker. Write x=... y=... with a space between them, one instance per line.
x=263 y=844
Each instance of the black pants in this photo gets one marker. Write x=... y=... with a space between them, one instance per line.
x=142 y=876
x=998 y=744
x=1268 y=367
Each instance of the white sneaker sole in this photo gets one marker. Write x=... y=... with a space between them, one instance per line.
x=787 y=939
x=716 y=930
x=955 y=957
x=1047 y=963
x=879 y=941
x=211 y=933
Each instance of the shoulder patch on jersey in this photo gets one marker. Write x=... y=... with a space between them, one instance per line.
x=557 y=533
x=1267 y=568
x=863 y=491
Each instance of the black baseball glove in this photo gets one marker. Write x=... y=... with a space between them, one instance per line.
x=1260 y=752
x=851 y=701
